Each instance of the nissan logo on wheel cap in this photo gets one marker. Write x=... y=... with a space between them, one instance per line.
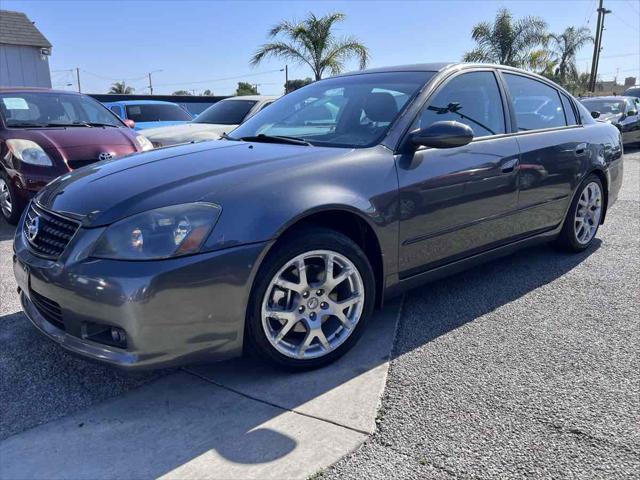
x=105 y=156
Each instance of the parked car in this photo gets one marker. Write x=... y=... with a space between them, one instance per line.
x=219 y=118
x=150 y=113
x=632 y=92
x=46 y=133
x=619 y=111
x=284 y=244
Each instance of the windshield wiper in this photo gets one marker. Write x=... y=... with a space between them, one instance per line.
x=25 y=124
x=275 y=139
x=81 y=124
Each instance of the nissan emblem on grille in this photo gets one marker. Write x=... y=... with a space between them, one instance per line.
x=33 y=226
x=105 y=156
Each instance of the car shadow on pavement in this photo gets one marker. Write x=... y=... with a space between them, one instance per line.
x=6 y=231
x=233 y=411
x=452 y=302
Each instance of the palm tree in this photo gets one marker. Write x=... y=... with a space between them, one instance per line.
x=313 y=43
x=565 y=47
x=120 y=87
x=506 y=41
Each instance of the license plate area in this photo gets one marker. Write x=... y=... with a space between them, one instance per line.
x=21 y=272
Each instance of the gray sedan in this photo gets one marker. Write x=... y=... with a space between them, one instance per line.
x=283 y=237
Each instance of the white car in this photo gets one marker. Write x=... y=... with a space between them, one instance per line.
x=219 y=118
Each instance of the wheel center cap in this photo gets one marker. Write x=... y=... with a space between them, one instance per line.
x=312 y=303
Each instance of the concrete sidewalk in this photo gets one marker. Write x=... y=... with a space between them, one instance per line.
x=237 y=419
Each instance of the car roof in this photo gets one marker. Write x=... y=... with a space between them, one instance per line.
x=141 y=102
x=255 y=98
x=609 y=97
x=416 y=67
x=35 y=90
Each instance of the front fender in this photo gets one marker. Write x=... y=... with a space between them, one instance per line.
x=363 y=182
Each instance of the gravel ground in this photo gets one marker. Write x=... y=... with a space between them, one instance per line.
x=525 y=367
x=39 y=381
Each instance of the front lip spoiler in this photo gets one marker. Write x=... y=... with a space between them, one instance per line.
x=84 y=348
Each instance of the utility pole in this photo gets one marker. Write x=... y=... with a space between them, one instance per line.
x=286 y=77
x=597 y=46
x=78 y=77
x=150 y=84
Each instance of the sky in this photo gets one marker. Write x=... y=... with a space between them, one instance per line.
x=207 y=44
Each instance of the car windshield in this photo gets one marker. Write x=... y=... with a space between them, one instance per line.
x=50 y=109
x=226 y=112
x=604 y=106
x=157 y=112
x=351 y=111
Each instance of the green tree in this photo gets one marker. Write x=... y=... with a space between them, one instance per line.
x=565 y=46
x=312 y=42
x=296 y=84
x=507 y=41
x=182 y=92
x=245 y=88
x=121 y=88
x=208 y=93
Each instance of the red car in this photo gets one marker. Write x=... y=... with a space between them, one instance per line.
x=46 y=133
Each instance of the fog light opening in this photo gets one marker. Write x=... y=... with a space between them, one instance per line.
x=118 y=336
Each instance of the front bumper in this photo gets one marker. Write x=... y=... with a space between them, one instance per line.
x=174 y=311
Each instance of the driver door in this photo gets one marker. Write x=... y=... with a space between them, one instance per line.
x=457 y=201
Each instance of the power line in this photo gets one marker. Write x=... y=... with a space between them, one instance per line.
x=635 y=27
x=211 y=80
x=633 y=6
x=611 y=56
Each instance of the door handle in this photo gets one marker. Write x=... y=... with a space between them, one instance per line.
x=581 y=149
x=508 y=167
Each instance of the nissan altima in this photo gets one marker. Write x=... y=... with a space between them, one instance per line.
x=285 y=235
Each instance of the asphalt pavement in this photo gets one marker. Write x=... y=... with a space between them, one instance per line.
x=527 y=367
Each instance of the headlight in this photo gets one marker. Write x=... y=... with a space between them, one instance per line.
x=161 y=233
x=144 y=143
x=29 y=152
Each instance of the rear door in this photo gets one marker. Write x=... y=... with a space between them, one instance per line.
x=455 y=202
x=553 y=150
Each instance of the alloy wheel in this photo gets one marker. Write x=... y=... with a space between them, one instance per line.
x=312 y=304
x=6 y=204
x=588 y=213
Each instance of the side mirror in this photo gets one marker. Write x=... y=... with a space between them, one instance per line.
x=129 y=123
x=631 y=113
x=595 y=114
x=444 y=134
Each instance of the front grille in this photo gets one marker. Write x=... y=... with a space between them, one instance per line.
x=75 y=164
x=49 y=309
x=52 y=234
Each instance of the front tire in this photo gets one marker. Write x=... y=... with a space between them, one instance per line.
x=584 y=216
x=9 y=207
x=311 y=300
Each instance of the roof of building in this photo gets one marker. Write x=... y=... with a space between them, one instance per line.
x=17 y=29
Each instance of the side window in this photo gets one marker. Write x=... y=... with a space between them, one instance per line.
x=568 y=110
x=471 y=98
x=631 y=106
x=266 y=104
x=115 y=109
x=536 y=105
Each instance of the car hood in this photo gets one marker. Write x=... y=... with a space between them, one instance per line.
x=187 y=132
x=69 y=137
x=148 y=125
x=610 y=117
x=105 y=192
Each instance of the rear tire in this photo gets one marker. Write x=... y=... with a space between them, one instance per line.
x=9 y=205
x=301 y=321
x=584 y=216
